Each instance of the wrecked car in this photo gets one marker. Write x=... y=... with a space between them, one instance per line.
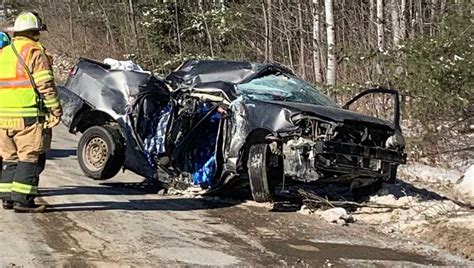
x=225 y=124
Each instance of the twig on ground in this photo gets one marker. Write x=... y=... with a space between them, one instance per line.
x=313 y=199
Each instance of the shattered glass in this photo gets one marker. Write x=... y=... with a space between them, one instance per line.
x=279 y=87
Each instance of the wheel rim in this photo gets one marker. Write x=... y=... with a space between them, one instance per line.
x=96 y=153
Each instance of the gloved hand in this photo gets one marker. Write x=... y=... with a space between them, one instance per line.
x=58 y=112
x=53 y=121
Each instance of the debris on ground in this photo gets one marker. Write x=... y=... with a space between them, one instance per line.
x=337 y=215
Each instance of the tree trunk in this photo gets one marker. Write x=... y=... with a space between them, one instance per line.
x=133 y=24
x=270 y=30
x=178 y=31
x=316 y=41
x=107 y=25
x=265 y=23
x=371 y=17
x=420 y=17
x=301 y=37
x=395 y=22
x=403 y=19
x=380 y=23
x=412 y=19
x=433 y=17
x=71 y=24
x=442 y=11
x=331 y=41
x=208 y=34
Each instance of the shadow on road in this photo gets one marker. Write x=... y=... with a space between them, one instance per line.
x=61 y=153
x=147 y=186
x=168 y=204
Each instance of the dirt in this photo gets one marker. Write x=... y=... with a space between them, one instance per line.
x=299 y=240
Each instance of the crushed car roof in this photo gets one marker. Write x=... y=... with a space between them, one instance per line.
x=194 y=72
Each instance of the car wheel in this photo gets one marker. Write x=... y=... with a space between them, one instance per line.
x=264 y=170
x=101 y=152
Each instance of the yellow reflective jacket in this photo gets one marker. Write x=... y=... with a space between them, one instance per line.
x=18 y=98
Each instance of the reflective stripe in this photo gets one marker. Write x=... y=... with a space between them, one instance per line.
x=52 y=103
x=17 y=83
x=24 y=188
x=5 y=187
x=20 y=112
x=43 y=76
x=25 y=51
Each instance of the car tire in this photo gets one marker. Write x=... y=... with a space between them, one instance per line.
x=101 y=152
x=263 y=173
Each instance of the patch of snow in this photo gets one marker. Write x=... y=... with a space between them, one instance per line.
x=466 y=183
x=430 y=174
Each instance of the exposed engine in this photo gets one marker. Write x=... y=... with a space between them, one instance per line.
x=325 y=150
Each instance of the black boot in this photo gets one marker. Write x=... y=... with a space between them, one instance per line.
x=7 y=204
x=21 y=208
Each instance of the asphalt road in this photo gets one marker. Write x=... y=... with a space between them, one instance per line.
x=124 y=222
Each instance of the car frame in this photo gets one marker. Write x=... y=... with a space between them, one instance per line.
x=196 y=125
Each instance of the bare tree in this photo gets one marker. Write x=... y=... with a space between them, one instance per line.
x=433 y=16
x=419 y=16
x=270 y=30
x=380 y=24
x=71 y=24
x=107 y=25
x=301 y=37
x=316 y=41
x=265 y=23
x=331 y=43
x=395 y=22
x=133 y=23
x=371 y=11
x=288 y=41
x=178 y=31
x=206 y=27
x=403 y=19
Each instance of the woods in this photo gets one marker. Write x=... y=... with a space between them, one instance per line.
x=421 y=47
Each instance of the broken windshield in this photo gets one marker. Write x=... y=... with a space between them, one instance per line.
x=280 y=87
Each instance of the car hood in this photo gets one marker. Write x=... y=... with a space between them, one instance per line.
x=335 y=114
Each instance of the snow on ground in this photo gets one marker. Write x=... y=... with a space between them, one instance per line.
x=428 y=173
x=466 y=183
x=424 y=203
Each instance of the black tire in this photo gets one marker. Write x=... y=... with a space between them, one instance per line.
x=101 y=152
x=391 y=171
x=264 y=169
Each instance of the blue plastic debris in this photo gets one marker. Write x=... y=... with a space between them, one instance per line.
x=204 y=175
x=155 y=140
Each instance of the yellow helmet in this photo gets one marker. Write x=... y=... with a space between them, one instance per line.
x=28 y=21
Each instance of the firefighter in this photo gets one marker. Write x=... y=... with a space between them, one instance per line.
x=29 y=106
